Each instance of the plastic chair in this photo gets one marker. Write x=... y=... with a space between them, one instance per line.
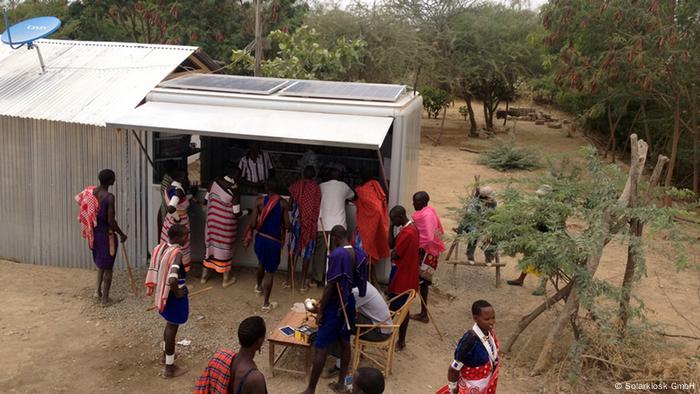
x=381 y=353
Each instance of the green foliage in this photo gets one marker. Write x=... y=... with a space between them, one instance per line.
x=491 y=59
x=558 y=233
x=633 y=60
x=434 y=101
x=395 y=48
x=506 y=156
x=300 y=56
x=464 y=111
x=216 y=26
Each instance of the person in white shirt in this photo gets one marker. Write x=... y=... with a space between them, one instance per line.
x=334 y=196
x=371 y=309
x=256 y=166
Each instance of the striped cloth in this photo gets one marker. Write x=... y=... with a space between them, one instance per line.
x=216 y=376
x=157 y=276
x=169 y=220
x=221 y=229
x=307 y=198
x=258 y=170
x=87 y=214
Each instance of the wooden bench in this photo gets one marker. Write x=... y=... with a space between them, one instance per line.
x=454 y=249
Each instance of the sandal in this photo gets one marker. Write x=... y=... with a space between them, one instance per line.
x=258 y=290
x=303 y=290
x=270 y=307
x=514 y=282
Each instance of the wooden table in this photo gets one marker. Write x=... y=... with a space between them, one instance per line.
x=277 y=338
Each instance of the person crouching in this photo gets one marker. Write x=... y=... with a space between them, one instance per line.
x=165 y=280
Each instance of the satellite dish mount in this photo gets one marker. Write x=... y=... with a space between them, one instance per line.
x=28 y=31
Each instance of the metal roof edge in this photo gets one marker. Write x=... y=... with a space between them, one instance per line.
x=118 y=44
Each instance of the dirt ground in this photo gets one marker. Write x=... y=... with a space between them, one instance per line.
x=55 y=338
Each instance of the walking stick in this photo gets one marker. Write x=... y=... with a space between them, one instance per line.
x=292 y=265
x=430 y=315
x=337 y=285
x=327 y=242
x=128 y=267
x=342 y=305
x=190 y=296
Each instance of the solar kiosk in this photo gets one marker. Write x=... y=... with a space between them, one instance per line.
x=327 y=124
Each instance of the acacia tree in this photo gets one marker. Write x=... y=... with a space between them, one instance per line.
x=493 y=55
x=299 y=55
x=395 y=49
x=643 y=51
x=605 y=202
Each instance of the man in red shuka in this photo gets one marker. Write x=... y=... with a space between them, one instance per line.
x=405 y=260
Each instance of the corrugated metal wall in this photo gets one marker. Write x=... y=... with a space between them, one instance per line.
x=43 y=164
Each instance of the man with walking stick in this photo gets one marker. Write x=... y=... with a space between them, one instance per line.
x=97 y=217
x=347 y=268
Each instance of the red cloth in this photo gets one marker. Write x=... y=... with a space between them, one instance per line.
x=271 y=203
x=467 y=374
x=307 y=195
x=87 y=214
x=216 y=376
x=373 y=220
x=406 y=247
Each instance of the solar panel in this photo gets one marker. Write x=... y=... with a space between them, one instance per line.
x=344 y=90
x=227 y=83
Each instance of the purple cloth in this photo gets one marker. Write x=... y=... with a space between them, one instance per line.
x=340 y=270
x=100 y=249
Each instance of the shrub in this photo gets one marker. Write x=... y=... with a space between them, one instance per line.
x=434 y=100
x=506 y=156
x=464 y=111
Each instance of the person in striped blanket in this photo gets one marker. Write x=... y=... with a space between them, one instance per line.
x=223 y=212
x=165 y=281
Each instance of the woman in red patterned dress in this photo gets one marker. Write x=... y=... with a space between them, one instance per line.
x=474 y=369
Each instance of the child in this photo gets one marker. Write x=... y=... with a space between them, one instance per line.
x=166 y=281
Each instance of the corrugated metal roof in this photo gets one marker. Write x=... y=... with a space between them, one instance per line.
x=84 y=81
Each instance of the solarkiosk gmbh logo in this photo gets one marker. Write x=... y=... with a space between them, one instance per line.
x=661 y=385
x=35 y=27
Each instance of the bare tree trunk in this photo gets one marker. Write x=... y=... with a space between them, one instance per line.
x=486 y=116
x=442 y=125
x=607 y=228
x=674 y=144
x=636 y=229
x=472 y=118
x=529 y=318
x=611 y=136
x=647 y=133
x=570 y=310
x=696 y=149
x=612 y=142
x=505 y=118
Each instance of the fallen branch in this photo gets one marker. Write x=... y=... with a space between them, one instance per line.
x=678 y=335
x=687 y=220
x=471 y=150
x=610 y=362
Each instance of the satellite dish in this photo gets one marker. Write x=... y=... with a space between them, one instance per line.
x=28 y=31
